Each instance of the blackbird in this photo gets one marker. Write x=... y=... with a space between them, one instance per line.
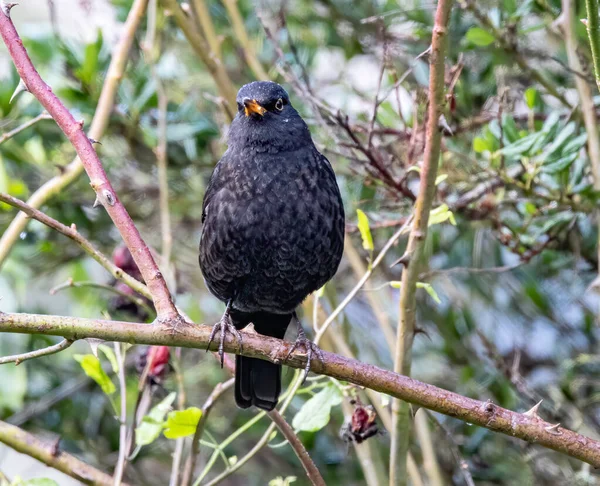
x=273 y=230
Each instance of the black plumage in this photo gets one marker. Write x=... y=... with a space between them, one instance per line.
x=273 y=228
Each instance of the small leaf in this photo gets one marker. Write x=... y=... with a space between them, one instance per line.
x=110 y=356
x=92 y=367
x=40 y=482
x=365 y=231
x=395 y=284
x=441 y=214
x=153 y=423
x=531 y=96
x=558 y=165
x=441 y=178
x=315 y=413
x=479 y=37
x=480 y=145
x=181 y=423
x=430 y=290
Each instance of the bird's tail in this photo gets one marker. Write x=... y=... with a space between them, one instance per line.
x=258 y=382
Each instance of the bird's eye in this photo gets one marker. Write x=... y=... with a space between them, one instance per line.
x=279 y=104
x=240 y=106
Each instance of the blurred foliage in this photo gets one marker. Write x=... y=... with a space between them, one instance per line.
x=505 y=309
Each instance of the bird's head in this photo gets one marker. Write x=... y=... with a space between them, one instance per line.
x=261 y=99
x=266 y=116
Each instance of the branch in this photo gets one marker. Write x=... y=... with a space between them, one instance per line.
x=17 y=359
x=8 y=135
x=105 y=193
x=26 y=443
x=212 y=62
x=307 y=463
x=99 y=124
x=416 y=242
x=237 y=23
x=593 y=30
x=85 y=244
x=528 y=427
x=190 y=464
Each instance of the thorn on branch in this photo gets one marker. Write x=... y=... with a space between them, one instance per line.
x=7 y=7
x=404 y=260
x=533 y=411
x=553 y=429
x=96 y=202
x=93 y=141
x=20 y=87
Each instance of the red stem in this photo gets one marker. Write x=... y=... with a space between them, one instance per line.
x=105 y=193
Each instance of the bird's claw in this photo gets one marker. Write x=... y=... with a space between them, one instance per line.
x=309 y=348
x=224 y=325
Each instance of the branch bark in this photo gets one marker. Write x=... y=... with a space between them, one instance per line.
x=416 y=243
x=526 y=426
x=593 y=30
x=105 y=193
x=26 y=443
x=99 y=123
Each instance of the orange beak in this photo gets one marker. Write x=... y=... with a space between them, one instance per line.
x=252 y=107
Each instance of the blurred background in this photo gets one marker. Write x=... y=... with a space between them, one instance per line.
x=508 y=307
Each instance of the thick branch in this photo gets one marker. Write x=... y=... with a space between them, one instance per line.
x=528 y=427
x=99 y=123
x=49 y=454
x=93 y=166
x=416 y=242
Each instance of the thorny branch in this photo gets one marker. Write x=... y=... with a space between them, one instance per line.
x=529 y=427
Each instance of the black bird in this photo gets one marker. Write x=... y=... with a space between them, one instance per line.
x=273 y=230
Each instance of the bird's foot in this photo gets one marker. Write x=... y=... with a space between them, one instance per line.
x=224 y=325
x=309 y=348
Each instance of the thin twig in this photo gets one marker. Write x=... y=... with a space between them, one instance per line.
x=72 y=233
x=123 y=444
x=17 y=359
x=104 y=108
x=6 y=136
x=286 y=430
x=593 y=30
x=207 y=27
x=190 y=464
x=239 y=29
x=400 y=437
x=48 y=454
x=214 y=65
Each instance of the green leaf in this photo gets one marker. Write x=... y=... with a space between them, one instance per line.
x=558 y=165
x=559 y=140
x=480 y=145
x=181 y=423
x=520 y=147
x=479 y=37
x=441 y=178
x=531 y=96
x=92 y=367
x=316 y=412
x=110 y=356
x=575 y=145
x=365 y=231
x=40 y=482
x=395 y=284
x=509 y=128
x=441 y=214
x=430 y=290
x=153 y=423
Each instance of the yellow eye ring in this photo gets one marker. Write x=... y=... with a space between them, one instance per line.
x=279 y=104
